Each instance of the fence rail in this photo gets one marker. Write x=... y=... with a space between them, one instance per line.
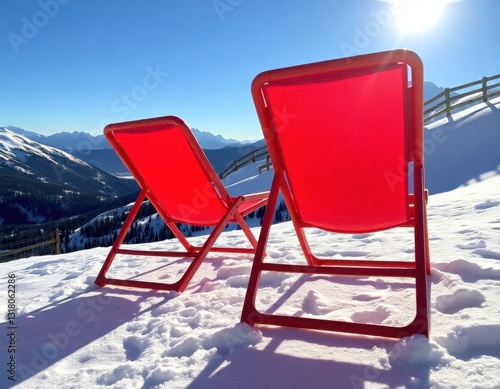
x=252 y=156
x=44 y=244
x=448 y=100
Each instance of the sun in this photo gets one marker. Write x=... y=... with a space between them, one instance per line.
x=417 y=16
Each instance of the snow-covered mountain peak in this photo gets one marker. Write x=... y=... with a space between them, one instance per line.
x=44 y=183
x=18 y=147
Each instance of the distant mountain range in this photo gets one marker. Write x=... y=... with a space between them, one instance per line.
x=82 y=142
x=209 y=141
x=96 y=151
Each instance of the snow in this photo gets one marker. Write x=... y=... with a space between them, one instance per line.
x=30 y=216
x=70 y=333
x=460 y=149
x=18 y=147
x=247 y=179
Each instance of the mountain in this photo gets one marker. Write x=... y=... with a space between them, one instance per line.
x=80 y=143
x=431 y=90
x=28 y=134
x=95 y=149
x=207 y=140
x=42 y=183
x=105 y=159
x=72 y=142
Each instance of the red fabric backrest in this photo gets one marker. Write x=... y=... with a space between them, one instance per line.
x=164 y=161
x=341 y=138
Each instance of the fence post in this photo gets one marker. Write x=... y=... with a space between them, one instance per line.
x=447 y=101
x=58 y=242
x=485 y=90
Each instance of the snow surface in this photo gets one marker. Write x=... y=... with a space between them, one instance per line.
x=70 y=331
x=73 y=334
x=459 y=149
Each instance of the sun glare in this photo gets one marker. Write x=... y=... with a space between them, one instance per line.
x=415 y=16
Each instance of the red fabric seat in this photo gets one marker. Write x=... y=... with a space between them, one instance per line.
x=343 y=136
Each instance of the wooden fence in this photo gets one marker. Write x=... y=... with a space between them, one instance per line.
x=444 y=103
x=267 y=165
x=252 y=156
x=44 y=244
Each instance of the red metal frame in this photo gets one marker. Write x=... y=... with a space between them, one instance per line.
x=417 y=269
x=235 y=208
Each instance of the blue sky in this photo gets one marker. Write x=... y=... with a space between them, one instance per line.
x=75 y=65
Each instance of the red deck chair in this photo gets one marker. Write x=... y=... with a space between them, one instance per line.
x=342 y=136
x=175 y=175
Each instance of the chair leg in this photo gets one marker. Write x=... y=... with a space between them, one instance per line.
x=242 y=250
x=301 y=235
x=180 y=236
x=249 y=313
x=422 y=260
x=195 y=264
x=426 y=238
x=246 y=230
x=101 y=277
x=198 y=254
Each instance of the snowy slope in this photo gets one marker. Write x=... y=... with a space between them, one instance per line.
x=460 y=149
x=41 y=183
x=70 y=333
x=16 y=148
